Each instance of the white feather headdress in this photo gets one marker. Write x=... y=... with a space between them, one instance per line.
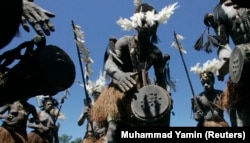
x=150 y=17
x=210 y=65
x=98 y=85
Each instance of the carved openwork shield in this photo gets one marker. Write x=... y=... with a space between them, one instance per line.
x=151 y=103
x=57 y=67
x=45 y=71
x=236 y=64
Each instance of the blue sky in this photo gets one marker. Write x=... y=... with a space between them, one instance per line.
x=98 y=21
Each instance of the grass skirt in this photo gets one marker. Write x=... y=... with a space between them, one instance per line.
x=12 y=136
x=112 y=104
x=35 y=137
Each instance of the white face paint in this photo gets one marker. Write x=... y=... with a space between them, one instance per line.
x=207 y=85
x=206 y=81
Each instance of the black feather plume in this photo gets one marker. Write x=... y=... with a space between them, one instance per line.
x=199 y=43
x=208 y=47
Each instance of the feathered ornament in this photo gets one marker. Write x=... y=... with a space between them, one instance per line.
x=207 y=47
x=150 y=16
x=178 y=46
x=96 y=86
x=209 y=65
x=84 y=52
x=83 y=56
x=89 y=86
x=212 y=41
x=181 y=50
x=165 y=13
x=199 y=42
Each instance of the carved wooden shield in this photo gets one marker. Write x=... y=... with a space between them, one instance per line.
x=57 y=67
x=46 y=71
x=151 y=103
x=236 y=64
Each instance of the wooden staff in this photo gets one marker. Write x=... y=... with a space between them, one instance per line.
x=185 y=67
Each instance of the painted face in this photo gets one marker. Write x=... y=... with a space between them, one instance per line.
x=206 y=81
x=146 y=29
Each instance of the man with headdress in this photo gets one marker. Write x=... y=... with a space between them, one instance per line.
x=13 y=129
x=233 y=23
x=95 y=132
x=46 y=130
x=229 y=22
x=207 y=104
x=127 y=65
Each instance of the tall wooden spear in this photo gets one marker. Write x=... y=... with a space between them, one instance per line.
x=82 y=50
x=83 y=53
x=66 y=92
x=181 y=50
